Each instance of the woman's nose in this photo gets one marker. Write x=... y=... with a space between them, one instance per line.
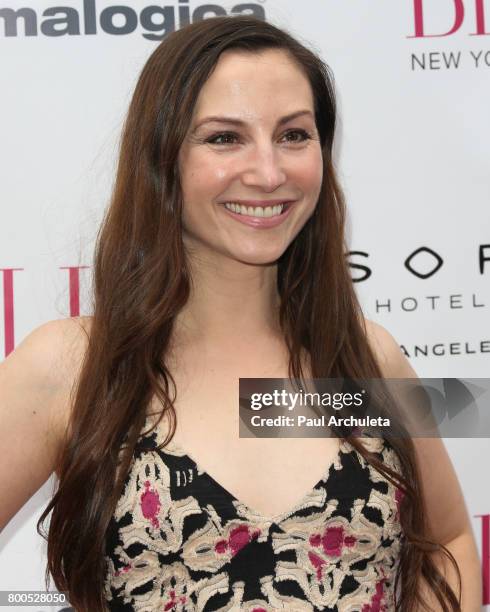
x=264 y=168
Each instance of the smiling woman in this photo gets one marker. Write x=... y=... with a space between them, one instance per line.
x=266 y=174
x=221 y=256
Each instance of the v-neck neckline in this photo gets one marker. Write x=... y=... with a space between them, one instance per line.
x=251 y=512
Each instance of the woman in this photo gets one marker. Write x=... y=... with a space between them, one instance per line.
x=222 y=256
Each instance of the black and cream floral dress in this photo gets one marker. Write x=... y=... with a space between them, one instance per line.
x=180 y=542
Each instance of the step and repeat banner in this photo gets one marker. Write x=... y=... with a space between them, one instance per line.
x=412 y=150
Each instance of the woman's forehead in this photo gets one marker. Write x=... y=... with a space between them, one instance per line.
x=244 y=83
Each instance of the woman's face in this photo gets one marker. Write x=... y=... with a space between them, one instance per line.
x=260 y=157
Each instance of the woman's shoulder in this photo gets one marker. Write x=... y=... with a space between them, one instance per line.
x=69 y=337
x=52 y=351
x=388 y=352
x=61 y=343
x=56 y=349
x=35 y=385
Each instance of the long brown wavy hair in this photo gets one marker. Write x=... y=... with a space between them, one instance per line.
x=141 y=282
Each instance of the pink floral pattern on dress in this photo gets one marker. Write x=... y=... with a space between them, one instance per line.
x=187 y=545
x=174 y=601
x=332 y=540
x=239 y=537
x=377 y=603
x=150 y=504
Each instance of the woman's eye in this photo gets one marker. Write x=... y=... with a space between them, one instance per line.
x=304 y=135
x=213 y=139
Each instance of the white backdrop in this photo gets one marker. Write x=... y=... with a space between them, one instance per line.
x=413 y=144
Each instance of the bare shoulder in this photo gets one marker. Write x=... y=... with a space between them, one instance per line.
x=387 y=351
x=445 y=505
x=49 y=357
x=64 y=342
x=56 y=348
x=35 y=390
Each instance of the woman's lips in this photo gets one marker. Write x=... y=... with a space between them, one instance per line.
x=261 y=222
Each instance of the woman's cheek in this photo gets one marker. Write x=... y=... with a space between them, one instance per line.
x=221 y=173
x=313 y=168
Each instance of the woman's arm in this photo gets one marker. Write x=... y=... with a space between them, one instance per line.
x=448 y=518
x=35 y=382
x=449 y=523
x=464 y=550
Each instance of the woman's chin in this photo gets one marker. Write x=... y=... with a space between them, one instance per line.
x=258 y=257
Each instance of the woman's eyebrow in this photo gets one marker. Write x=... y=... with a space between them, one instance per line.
x=235 y=121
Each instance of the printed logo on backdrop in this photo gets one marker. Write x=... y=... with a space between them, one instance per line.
x=424 y=264
x=7 y=278
x=87 y=18
x=449 y=20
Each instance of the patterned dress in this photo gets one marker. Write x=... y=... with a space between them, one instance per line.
x=180 y=542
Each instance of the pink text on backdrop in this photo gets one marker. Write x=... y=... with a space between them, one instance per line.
x=8 y=300
x=455 y=15
x=485 y=556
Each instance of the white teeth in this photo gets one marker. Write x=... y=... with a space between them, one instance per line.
x=258 y=211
